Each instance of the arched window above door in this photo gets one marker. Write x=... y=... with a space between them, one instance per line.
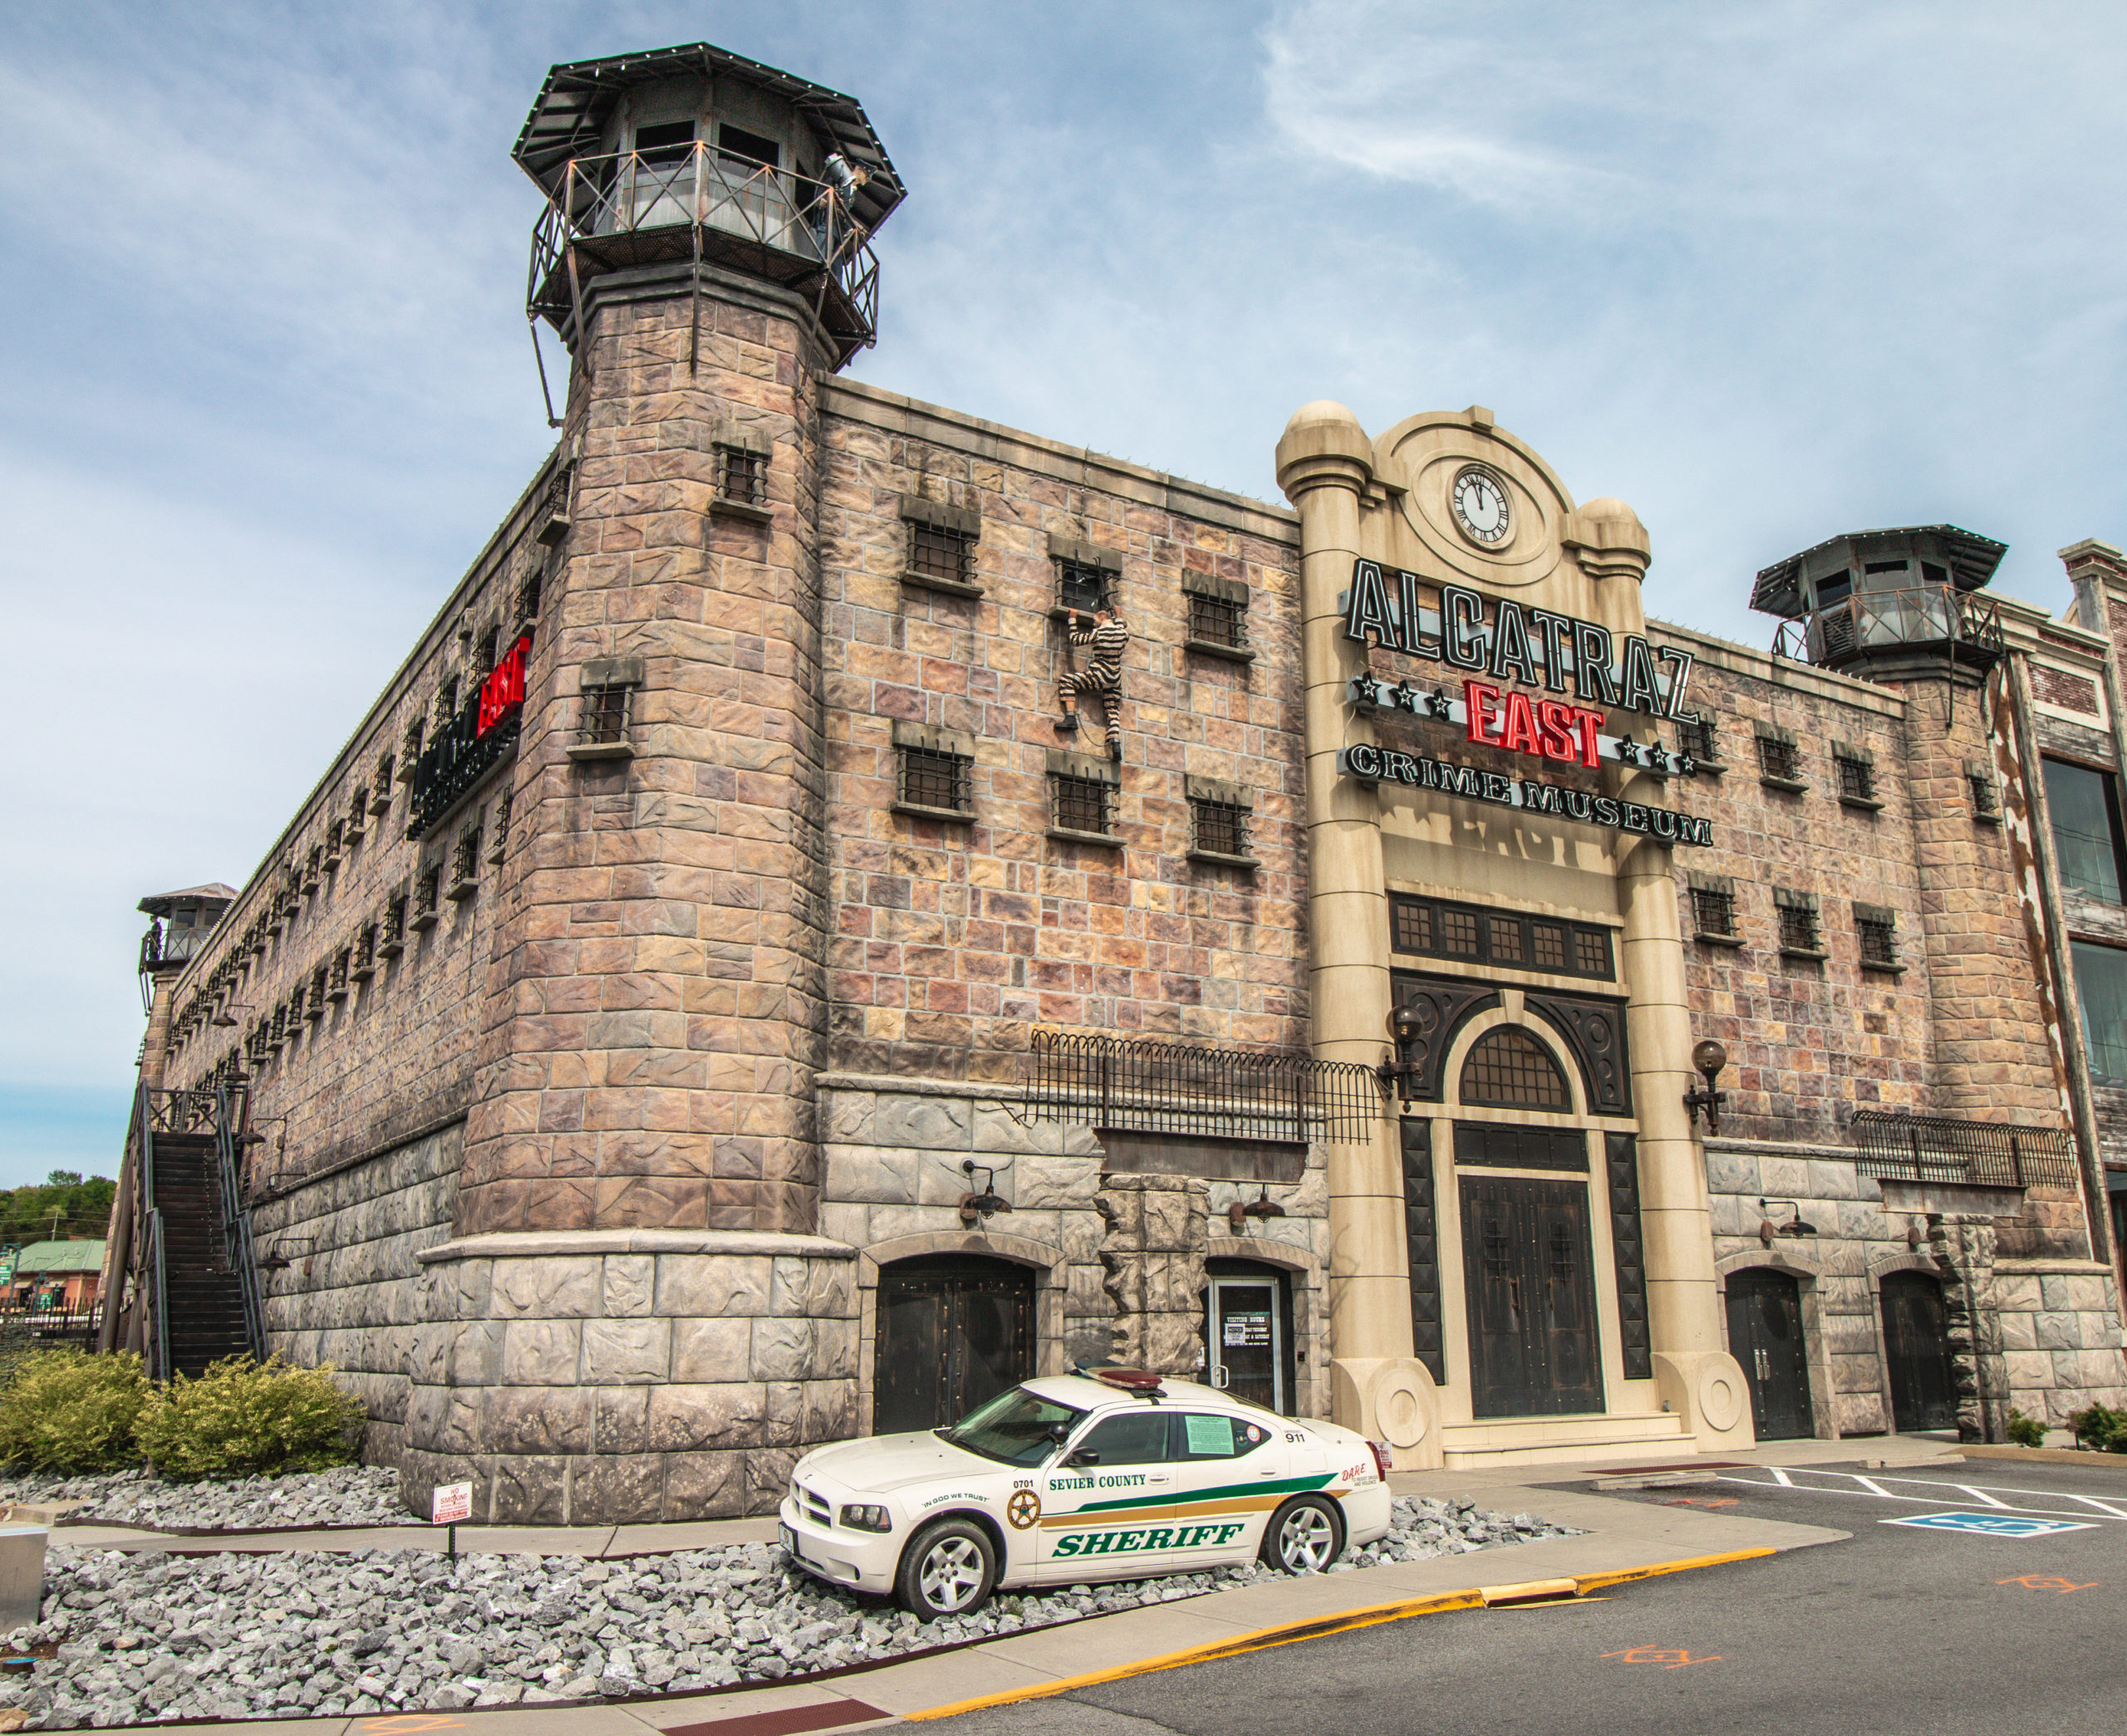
x=1508 y=1069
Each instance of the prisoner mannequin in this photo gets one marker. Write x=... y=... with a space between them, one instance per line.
x=1108 y=638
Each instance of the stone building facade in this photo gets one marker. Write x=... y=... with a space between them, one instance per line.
x=711 y=1006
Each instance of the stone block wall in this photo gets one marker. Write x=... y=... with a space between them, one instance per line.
x=352 y=1292
x=620 y=1377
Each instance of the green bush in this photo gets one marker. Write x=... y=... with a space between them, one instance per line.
x=2024 y=1431
x=2100 y=1429
x=66 y=1412
x=242 y=1418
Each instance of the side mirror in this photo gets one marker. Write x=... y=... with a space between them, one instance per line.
x=1084 y=1455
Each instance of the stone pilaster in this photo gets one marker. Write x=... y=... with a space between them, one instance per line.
x=1152 y=1257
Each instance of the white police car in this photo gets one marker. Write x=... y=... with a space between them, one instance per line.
x=1118 y=1475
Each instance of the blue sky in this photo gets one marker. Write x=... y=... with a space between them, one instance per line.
x=1766 y=273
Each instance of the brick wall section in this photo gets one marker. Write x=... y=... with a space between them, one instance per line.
x=2063 y=688
x=656 y=995
x=951 y=941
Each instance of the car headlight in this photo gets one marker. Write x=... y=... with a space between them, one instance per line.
x=861 y=1517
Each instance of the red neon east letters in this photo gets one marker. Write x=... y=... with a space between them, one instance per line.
x=503 y=690
x=1541 y=726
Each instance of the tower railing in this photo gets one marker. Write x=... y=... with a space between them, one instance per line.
x=1968 y=627
x=644 y=207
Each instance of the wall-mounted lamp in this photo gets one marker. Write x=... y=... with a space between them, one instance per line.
x=276 y=1259
x=1798 y=1225
x=222 y=1019
x=1707 y=1058
x=1404 y=1025
x=986 y=1203
x=1262 y=1206
x=250 y=1136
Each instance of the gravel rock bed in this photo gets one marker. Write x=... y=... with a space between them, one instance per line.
x=303 y=1634
x=351 y=1495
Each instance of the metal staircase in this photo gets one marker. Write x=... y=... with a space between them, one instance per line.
x=185 y=1284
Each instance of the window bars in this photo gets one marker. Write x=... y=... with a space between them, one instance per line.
x=1877 y=927
x=934 y=779
x=1798 y=923
x=1080 y=587
x=1778 y=760
x=605 y=713
x=1857 y=779
x=1713 y=913
x=1132 y=1086
x=1221 y=828
x=1700 y=739
x=742 y=476
x=939 y=554
x=1895 y=1146
x=1080 y=804
x=1218 y=621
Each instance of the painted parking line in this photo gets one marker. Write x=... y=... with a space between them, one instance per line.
x=1929 y=1490
x=1993 y=1524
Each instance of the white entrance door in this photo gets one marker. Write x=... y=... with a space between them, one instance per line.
x=1247 y=1341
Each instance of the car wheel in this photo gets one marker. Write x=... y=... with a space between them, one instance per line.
x=949 y=1570
x=1304 y=1535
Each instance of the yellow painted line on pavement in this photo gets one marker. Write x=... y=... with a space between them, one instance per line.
x=1368 y=1615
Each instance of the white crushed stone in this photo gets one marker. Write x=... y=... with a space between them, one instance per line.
x=349 y=1494
x=146 y=1638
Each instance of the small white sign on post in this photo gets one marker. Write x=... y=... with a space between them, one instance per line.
x=451 y=1503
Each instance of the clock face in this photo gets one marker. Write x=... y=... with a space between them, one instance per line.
x=1479 y=500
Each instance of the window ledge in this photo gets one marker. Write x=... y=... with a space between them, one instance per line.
x=950 y=587
x=594 y=751
x=1795 y=786
x=1713 y=766
x=389 y=949
x=1212 y=648
x=362 y=973
x=354 y=835
x=380 y=804
x=1706 y=939
x=1065 y=835
x=1994 y=819
x=1225 y=860
x=336 y=995
x=1882 y=969
x=422 y=922
x=722 y=506
x=1867 y=804
x=1797 y=952
x=918 y=811
x=458 y=891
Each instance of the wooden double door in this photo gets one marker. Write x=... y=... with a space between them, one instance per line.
x=954 y=1332
x=1529 y=1281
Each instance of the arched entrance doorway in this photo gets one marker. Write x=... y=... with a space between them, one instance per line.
x=954 y=1330
x=1765 y=1335
x=1917 y=1350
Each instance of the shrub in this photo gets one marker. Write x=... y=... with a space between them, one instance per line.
x=66 y=1412
x=2101 y=1430
x=2024 y=1431
x=242 y=1418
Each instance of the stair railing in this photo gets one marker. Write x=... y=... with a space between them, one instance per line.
x=236 y=1225
x=156 y=1339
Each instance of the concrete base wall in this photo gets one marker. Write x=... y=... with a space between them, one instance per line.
x=351 y=1295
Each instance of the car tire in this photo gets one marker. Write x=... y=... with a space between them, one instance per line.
x=1304 y=1535
x=949 y=1569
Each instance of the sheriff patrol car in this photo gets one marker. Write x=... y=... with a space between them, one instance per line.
x=1115 y=1474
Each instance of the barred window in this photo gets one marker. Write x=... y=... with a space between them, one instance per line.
x=527 y=599
x=742 y=476
x=1714 y=912
x=489 y=645
x=1217 y=620
x=465 y=863
x=1857 y=778
x=1985 y=804
x=1879 y=941
x=501 y=845
x=934 y=779
x=411 y=749
x=391 y=937
x=358 y=814
x=1508 y=938
x=1777 y=759
x=342 y=961
x=424 y=893
x=1080 y=804
x=1220 y=827
x=315 y=1008
x=1700 y=740
x=1798 y=928
x=605 y=713
x=384 y=763
x=446 y=702
x=933 y=553
x=313 y=866
x=364 y=960
x=1080 y=587
x=1508 y=1069
x=333 y=845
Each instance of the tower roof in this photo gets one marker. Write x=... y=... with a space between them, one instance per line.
x=1970 y=557
x=570 y=110
x=160 y=904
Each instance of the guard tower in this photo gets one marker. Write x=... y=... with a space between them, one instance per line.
x=1885 y=605
x=685 y=157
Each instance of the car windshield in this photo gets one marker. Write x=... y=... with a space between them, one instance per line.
x=1014 y=1427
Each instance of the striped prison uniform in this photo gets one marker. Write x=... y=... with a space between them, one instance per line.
x=1103 y=675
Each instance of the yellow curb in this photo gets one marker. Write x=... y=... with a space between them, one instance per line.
x=1369 y=1615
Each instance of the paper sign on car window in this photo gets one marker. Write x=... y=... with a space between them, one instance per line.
x=1211 y=1435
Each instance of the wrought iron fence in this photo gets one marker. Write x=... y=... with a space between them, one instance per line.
x=716 y=204
x=1133 y=1085
x=1895 y=1146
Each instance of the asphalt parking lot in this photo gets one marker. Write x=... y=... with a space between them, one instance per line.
x=2010 y=1620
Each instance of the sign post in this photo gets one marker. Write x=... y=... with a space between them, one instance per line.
x=449 y=1503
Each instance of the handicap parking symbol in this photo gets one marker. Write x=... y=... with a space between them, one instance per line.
x=1993 y=1524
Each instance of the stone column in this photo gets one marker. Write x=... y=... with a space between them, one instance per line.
x=1325 y=463
x=1152 y=1257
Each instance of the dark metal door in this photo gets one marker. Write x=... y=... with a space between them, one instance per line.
x=1917 y=1341
x=955 y=1331
x=1765 y=1335
x=1528 y=1275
